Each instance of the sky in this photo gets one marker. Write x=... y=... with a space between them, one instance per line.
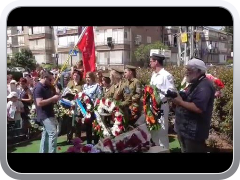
x=216 y=27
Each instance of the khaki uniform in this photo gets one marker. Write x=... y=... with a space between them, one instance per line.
x=72 y=86
x=120 y=93
x=106 y=93
x=135 y=91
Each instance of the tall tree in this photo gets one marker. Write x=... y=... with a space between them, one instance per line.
x=24 y=59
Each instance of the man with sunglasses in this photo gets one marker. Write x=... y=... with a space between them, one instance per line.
x=44 y=98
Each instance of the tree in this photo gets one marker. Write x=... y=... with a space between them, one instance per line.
x=24 y=59
x=228 y=29
x=142 y=53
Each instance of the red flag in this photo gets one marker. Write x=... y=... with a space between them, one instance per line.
x=87 y=46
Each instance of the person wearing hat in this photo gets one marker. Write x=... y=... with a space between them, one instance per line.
x=106 y=82
x=163 y=80
x=193 y=113
x=118 y=90
x=133 y=86
x=14 y=110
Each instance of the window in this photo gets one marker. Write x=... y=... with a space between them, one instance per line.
x=148 y=39
x=103 y=58
x=125 y=35
x=116 y=57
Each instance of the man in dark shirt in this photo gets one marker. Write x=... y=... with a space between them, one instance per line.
x=44 y=99
x=194 y=112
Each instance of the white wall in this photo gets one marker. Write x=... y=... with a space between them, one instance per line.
x=66 y=40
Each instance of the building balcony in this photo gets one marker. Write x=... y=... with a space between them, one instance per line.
x=39 y=50
x=121 y=45
x=40 y=36
x=67 y=32
x=65 y=48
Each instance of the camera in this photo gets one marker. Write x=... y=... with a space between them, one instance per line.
x=173 y=94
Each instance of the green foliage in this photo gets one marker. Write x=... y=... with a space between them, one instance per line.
x=16 y=75
x=24 y=59
x=229 y=61
x=142 y=53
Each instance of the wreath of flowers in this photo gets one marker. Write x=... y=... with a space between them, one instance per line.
x=117 y=116
x=151 y=107
x=88 y=105
x=33 y=115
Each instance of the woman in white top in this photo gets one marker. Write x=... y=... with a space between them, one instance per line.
x=93 y=90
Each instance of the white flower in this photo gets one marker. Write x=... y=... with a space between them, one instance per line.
x=100 y=110
x=40 y=128
x=89 y=106
x=72 y=112
x=88 y=115
x=117 y=114
x=33 y=107
x=83 y=120
x=35 y=126
x=106 y=133
x=32 y=122
x=80 y=95
x=85 y=98
x=106 y=102
x=73 y=103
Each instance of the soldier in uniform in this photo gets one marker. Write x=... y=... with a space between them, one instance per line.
x=119 y=92
x=106 y=81
x=75 y=84
x=163 y=80
x=133 y=85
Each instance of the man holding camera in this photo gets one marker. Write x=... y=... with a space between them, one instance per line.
x=163 y=80
x=194 y=109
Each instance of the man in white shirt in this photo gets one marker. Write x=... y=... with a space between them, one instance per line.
x=163 y=80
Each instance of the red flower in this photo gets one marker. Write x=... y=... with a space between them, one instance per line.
x=121 y=127
x=98 y=101
x=151 y=90
x=86 y=149
x=119 y=118
x=87 y=101
x=109 y=103
x=108 y=143
x=116 y=109
x=116 y=133
x=59 y=148
x=83 y=94
x=76 y=97
x=144 y=102
x=103 y=101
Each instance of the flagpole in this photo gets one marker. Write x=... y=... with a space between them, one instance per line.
x=69 y=56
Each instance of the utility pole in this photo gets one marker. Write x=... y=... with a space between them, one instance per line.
x=179 y=47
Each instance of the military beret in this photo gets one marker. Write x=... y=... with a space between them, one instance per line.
x=130 y=67
x=158 y=56
x=119 y=70
x=106 y=75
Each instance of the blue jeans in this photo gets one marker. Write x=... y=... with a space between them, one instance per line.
x=49 y=136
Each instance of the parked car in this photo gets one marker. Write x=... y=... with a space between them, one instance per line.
x=18 y=69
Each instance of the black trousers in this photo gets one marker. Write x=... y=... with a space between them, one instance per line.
x=89 y=134
x=73 y=129
x=191 y=146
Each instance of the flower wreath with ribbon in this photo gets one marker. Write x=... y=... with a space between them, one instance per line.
x=151 y=107
x=111 y=107
x=82 y=99
x=33 y=116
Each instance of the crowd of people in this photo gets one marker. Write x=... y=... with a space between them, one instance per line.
x=193 y=110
